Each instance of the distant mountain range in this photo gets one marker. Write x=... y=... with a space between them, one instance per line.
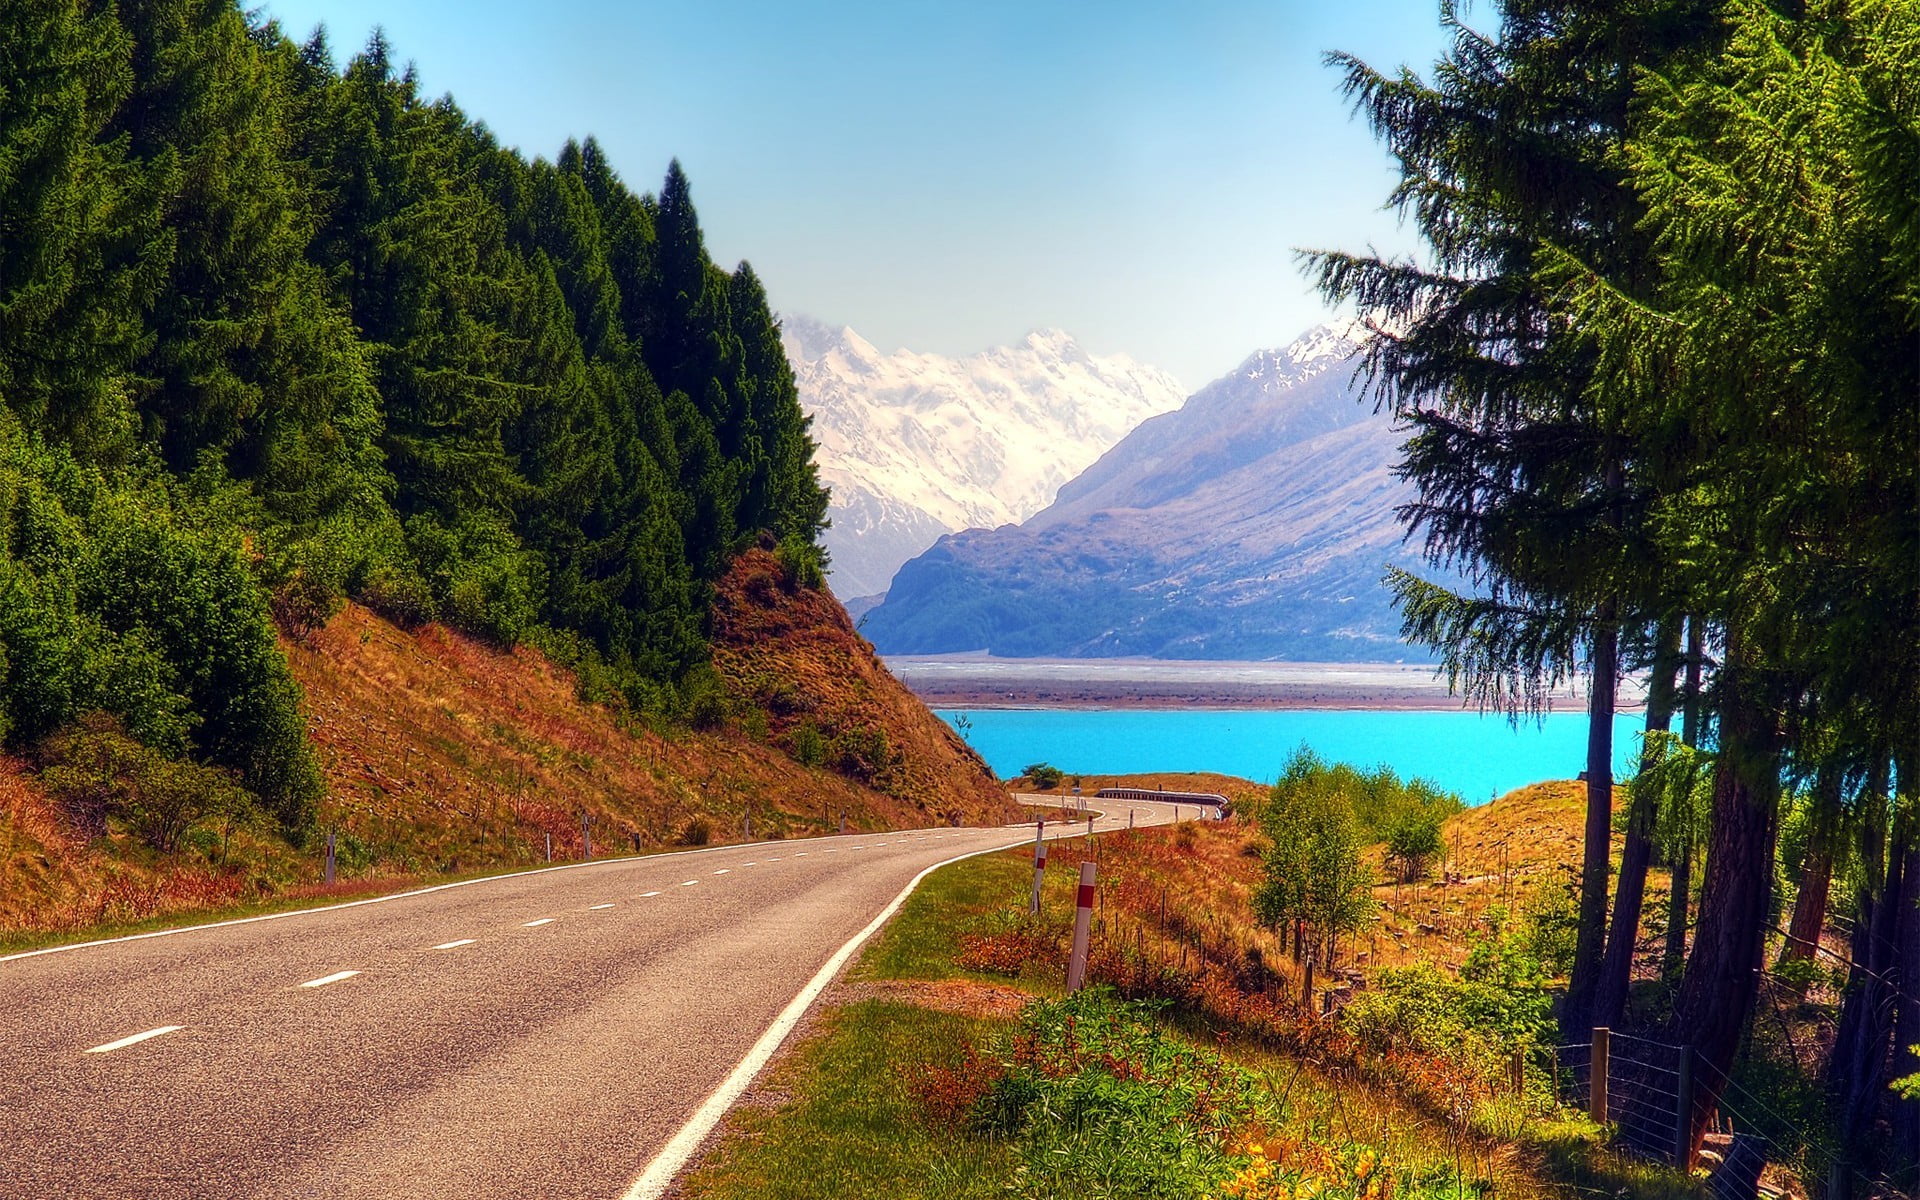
x=918 y=445
x=1255 y=522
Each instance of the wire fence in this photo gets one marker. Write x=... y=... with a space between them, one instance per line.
x=1646 y=1092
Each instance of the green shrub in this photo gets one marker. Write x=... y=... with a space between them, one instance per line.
x=802 y=563
x=1550 y=925
x=98 y=774
x=482 y=579
x=860 y=753
x=1044 y=776
x=809 y=749
x=1413 y=840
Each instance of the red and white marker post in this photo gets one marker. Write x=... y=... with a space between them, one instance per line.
x=1039 y=863
x=1082 y=929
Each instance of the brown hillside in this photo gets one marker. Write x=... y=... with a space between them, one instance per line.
x=791 y=653
x=444 y=754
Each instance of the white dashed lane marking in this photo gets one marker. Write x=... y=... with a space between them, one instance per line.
x=690 y=883
x=723 y=871
x=644 y=895
x=134 y=1040
x=324 y=980
x=537 y=924
x=597 y=907
x=455 y=944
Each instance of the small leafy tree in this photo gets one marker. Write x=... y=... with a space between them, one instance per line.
x=1044 y=776
x=1412 y=843
x=1315 y=880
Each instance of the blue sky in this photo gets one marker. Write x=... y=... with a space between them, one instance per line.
x=948 y=176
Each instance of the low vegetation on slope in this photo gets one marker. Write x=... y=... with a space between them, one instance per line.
x=943 y=1075
x=799 y=677
x=440 y=753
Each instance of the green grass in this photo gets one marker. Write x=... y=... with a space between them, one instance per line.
x=854 y=1126
x=848 y=1116
x=921 y=941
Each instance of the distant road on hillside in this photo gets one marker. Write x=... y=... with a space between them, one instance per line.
x=546 y=1034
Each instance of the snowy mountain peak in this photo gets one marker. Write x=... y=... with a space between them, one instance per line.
x=914 y=445
x=1335 y=342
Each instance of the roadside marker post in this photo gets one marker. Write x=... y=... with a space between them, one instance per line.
x=1597 y=1076
x=1089 y=831
x=1082 y=928
x=1129 y=818
x=1039 y=864
x=586 y=839
x=549 y=847
x=329 y=858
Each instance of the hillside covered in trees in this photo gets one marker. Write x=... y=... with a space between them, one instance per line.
x=278 y=331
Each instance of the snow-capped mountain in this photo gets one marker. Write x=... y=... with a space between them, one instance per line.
x=1253 y=523
x=917 y=445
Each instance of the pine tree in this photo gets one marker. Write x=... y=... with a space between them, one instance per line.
x=82 y=244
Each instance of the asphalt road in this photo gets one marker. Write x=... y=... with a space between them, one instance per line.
x=541 y=1035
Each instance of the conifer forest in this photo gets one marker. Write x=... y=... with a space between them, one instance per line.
x=1661 y=375
x=276 y=329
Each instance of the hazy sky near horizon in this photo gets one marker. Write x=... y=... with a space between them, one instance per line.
x=948 y=176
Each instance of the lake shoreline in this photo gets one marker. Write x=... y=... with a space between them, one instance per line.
x=1180 y=701
x=1476 y=756
x=980 y=682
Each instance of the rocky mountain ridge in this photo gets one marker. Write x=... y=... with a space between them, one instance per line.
x=916 y=445
x=1255 y=522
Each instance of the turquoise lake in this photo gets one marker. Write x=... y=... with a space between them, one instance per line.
x=1476 y=756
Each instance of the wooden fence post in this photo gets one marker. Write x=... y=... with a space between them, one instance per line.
x=1039 y=865
x=1597 y=1099
x=1683 y=1111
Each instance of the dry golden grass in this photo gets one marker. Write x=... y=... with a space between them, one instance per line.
x=444 y=755
x=791 y=653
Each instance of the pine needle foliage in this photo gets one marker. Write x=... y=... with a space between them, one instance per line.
x=276 y=331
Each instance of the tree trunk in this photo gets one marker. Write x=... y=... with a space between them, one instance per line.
x=1906 y=1028
x=1616 y=970
x=1856 y=1069
x=1717 y=993
x=1590 y=942
x=1680 y=892
x=1816 y=874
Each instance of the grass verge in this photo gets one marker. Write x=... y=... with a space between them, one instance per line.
x=925 y=1078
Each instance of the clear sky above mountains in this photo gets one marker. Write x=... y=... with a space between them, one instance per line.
x=947 y=176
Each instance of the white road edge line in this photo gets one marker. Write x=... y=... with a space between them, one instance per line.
x=653 y=1181
x=456 y=944
x=538 y=923
x=324 y=980
x=135 y=1040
